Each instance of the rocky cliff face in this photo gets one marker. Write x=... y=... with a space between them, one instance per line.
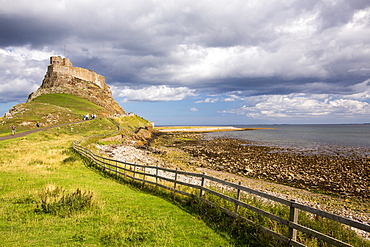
x=62 y=77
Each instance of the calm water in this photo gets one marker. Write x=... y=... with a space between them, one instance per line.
x=320 y=137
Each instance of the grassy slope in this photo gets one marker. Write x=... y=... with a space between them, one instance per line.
x=123 y=216
x=51 y=109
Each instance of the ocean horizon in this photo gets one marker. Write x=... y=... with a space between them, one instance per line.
x=339 y=139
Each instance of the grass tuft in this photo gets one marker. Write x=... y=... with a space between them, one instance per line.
x=55 y=200
x=35 y=162
x=69 y=160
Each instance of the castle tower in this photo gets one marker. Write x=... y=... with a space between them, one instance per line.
x=60 y=61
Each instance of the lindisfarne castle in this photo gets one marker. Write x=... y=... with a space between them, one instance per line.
x=64 y=66
x=62 y=77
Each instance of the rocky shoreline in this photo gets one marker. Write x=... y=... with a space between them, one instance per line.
x=338 y=175
x=280 y=172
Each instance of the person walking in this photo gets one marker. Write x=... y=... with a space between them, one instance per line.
x=13 y=130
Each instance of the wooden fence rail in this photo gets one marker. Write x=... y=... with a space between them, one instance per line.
x=204 y=183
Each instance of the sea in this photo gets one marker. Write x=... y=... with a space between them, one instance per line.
x=330 y=139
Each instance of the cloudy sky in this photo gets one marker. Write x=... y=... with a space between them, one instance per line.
x=200 y=62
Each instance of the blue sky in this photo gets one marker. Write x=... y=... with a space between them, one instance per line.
x=200 y=62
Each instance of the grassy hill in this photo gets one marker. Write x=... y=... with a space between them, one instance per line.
x=50 y=197
x=50 y=109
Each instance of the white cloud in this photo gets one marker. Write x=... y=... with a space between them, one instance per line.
x=24 y=87
x=193 y=109
x=360 y=91
x=155 y=93
x=208 y=100
x=229 y=99
x=301 y=106
x=26 y=53
x=207 y=63
x=21 y=72
x=234 y=96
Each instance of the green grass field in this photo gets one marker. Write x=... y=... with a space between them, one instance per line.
x=121 y=215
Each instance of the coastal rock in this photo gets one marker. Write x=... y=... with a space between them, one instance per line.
x=341 y=175
x=7 y=115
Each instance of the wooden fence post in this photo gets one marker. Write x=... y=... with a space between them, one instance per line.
x=174 y=184
x=237 y=198
x=117 y=167
x=202 y=185
x=156 y=175
x=124 y=170
x=293 y=217
x=144 y=176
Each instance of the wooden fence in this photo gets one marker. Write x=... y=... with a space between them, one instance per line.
x=204 y=184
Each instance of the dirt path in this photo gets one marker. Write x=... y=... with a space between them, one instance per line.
x=25 y=133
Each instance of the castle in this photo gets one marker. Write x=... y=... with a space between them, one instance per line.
x=62 y=77
x=64 y=66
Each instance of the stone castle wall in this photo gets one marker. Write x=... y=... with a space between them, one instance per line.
x=64 y=66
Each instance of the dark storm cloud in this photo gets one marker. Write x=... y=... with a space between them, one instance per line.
x=258 y=47
x=20 y=31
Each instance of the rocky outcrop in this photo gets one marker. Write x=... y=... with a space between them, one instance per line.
x=62 y=77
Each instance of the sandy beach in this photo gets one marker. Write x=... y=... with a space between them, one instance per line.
x=203 y=129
